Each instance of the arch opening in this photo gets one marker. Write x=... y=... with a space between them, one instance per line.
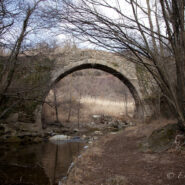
x=111 y=71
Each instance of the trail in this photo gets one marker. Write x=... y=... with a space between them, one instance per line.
x=119 y=161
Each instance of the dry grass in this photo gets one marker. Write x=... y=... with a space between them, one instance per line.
x=84 y=166
x=90 y=106
x=146 y=129
x=107 y=107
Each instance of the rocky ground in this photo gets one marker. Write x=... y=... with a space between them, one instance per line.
x=20 y=132
x=126 y=158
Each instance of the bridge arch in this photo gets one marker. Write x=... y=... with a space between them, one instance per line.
x=110 y=68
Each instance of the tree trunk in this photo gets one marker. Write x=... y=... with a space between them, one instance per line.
x=79 y=111
x=56 y=105
x=70 y=107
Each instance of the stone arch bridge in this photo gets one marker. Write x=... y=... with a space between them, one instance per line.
x=118 y=66
x=42 y=73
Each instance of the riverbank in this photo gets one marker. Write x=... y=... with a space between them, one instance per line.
x=26 y=133
x=119 y=159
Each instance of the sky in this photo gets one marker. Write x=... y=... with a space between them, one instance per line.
x=111 y=13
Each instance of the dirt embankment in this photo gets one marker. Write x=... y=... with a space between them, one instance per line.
x=119 y=160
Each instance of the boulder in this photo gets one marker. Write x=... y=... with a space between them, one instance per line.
x=97 y=132
x=161 y=139
x=13 y=117
x=96 y=116
x=76 y=130
x=59 y=138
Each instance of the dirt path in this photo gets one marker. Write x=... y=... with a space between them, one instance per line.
x=117 y=160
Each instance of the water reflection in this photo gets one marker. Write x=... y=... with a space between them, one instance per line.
x=38 y=164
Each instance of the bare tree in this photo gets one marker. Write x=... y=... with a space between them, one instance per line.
x=149 y=33
x=20 y=22
x=126 y=102
x=78 y=109
x=55 y=104
x=70 y=107
x=6 y=17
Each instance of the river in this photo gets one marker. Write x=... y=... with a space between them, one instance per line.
x=37 y=164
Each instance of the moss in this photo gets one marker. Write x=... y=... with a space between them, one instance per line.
x=41 y=68
x=24 y=139
x=26 y=110
x=12 y=139
x=115 y=64
x=161 y=139
x=143 y=76
x=37 y=78
x=30 y=106
x=151 y=99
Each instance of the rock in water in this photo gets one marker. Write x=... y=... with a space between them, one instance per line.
x=59 y=137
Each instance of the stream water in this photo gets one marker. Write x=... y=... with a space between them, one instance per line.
x=37 y=164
